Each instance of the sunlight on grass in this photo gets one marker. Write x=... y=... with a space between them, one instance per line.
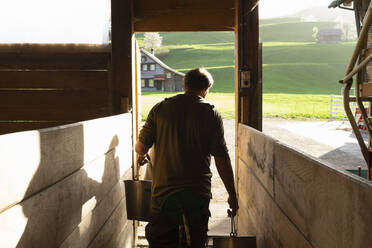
x=274 y=105
x=216 y=47
x=298 y=73
x=280 y=44
x=296 y=106
x=211 y=67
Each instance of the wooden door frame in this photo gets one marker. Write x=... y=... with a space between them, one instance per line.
x=248 y=83
x=248 y=100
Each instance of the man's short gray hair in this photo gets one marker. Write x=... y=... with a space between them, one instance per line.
x=198 y=79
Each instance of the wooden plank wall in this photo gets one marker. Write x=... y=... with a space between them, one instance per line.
x=289 y=199
x=49 y=85
x=62 y=187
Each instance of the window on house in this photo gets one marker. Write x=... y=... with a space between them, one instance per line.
x=143 y=58
x=144 y=67
x=143 y=83
x=169 y=75
x=151 y=83
x=152 y=67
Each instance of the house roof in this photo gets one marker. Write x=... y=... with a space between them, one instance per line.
x=161 y=63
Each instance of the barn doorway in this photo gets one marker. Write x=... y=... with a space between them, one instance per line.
x=178 y=53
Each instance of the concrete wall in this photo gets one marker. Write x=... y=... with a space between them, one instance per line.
x=61 y=187
x=288 y=199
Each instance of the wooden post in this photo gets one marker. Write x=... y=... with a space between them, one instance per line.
x=248 y=84
x=122 y=32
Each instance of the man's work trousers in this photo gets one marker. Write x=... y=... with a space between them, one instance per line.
x=161 y=232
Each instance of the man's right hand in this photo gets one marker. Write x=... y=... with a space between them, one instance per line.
x=233 y=203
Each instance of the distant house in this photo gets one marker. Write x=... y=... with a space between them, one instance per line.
x=157 y=76
x=329 y=35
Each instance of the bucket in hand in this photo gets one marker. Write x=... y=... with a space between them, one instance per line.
x=233 y=241
x=138 y=199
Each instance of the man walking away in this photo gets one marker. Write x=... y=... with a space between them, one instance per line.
x=185 y=130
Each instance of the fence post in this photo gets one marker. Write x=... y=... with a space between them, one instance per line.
x=330 y=111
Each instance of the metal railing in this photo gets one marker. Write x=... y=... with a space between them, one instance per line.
x=356 y=67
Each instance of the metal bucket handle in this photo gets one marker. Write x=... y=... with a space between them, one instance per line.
x=145 y=160
x=233 y=232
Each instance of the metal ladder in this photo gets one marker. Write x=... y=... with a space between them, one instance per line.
x=359 y=66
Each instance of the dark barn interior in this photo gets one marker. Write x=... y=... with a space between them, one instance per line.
x=69 y=119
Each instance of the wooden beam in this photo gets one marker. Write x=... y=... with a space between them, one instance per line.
x=248 y=99
x=248 y=84
x=186 y=15
x=121 y=61
x=185 y=20
x=141 y=5
x=49 y=99
x=54 y=60
x=36 y=48
x=54 y=79
x=60 y=115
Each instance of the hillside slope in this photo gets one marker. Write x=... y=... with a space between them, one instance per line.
x=291 y=31
x=293 y=62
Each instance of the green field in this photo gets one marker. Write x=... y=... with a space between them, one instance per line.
x=298 y=74
x=275 y=105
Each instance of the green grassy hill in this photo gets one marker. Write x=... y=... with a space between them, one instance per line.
x=291 y=31
x=297 y=65
x=217 y=58
x=193 y=38
x=284 y=19
x=293 y=64
x=304 y=68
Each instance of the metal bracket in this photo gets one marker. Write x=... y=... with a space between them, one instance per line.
x=245 y=82
x=254 y=5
